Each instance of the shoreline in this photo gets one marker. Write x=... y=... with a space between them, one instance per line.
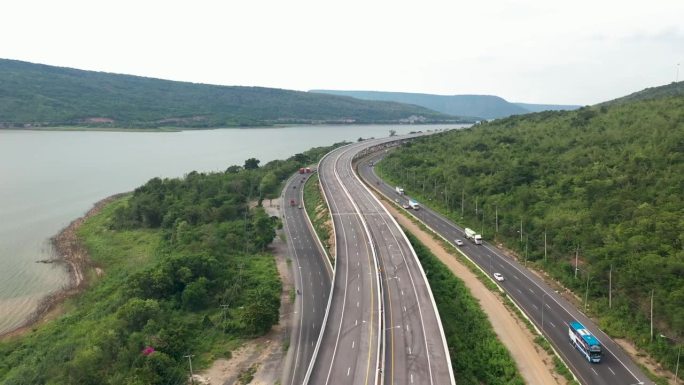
x=70 y=252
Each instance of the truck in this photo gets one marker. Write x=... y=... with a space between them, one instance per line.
x=302 y=170
x=399 y=190
x=585 y=342
x=473 y=236
x=413 y=204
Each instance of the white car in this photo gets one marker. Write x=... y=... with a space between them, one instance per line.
x=458 y=242
x=498 y=277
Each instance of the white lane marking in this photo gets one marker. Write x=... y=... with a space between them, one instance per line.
x=402 y=291
x=531 y=291
x=412 y=378
x=518 y=290
x=357 y=303
x=358 y=288
x=404 y=309
x=410 y=350
x=611 y=370
x=516 y=277
x=552 y=324
x=547 y=305
x=353 y=344
x=535 y=306
x=348 y=370
x=594 y=370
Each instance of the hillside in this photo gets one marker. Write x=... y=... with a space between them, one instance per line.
x=546 y=107
x=41 y=95
x=604 y=181
x=672 y=89
x=480 y=106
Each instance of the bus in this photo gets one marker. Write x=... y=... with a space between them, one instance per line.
x=585 y=342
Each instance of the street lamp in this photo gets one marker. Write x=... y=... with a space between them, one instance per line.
x=679 y=353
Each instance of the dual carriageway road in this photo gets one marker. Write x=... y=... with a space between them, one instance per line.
x=382 y=326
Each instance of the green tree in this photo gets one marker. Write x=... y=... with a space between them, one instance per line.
x=252 y=164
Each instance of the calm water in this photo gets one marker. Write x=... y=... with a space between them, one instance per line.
x=47 y=179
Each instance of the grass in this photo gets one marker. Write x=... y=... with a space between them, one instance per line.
x=317 y=210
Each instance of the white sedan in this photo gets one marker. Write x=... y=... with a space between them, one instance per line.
x=498 y=277
x=458 y=242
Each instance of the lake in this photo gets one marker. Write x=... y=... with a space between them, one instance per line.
x=49 y=178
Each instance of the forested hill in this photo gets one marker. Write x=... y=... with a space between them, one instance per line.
x=482 y=106
x=41 y=95
x=672 y=89
x=606 y=181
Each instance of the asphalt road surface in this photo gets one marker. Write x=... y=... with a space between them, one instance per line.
x=548 y=310
x=383 y=326
x=312 y=276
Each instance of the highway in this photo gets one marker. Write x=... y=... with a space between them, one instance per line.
x=548 y=310
x=383 y=325
x=312 y=274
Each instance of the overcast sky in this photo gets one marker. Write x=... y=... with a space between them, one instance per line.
x=539 y=51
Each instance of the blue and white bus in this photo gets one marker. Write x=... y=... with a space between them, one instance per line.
x=585 y=342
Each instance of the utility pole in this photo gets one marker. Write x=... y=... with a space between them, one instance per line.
x=527 y=240
x=482 y=230
x=652 y=292
x=496 y=219
x=576 y=260
x=192 y=376
x=679 y=353
x=586 y=294
x=225 y=309
x=610 y=287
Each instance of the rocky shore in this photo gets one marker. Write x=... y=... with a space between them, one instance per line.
x=69 y=251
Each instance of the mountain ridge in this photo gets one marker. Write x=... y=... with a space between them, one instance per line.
x=36 y=95
x=482 y=106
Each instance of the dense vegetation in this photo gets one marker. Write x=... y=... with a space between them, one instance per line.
x=41 y=95
x=604 y=182
x=480 y=106
x=671 y=90
x=318 y=212
x=186 y=271
x=477 y=355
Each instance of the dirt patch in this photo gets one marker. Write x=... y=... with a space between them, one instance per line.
x=266 y=354
x=69 y=251
x=535 y=365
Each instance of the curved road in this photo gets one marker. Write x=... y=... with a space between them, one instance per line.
x=383 y=326
x=548 y=310
x=312 y=275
